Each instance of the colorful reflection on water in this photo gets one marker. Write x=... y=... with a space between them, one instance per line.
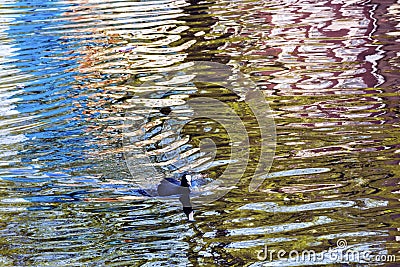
x=72 y=71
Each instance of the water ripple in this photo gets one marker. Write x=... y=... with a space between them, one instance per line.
x=74 y=72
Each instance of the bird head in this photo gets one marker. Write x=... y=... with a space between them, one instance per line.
x=186 y=180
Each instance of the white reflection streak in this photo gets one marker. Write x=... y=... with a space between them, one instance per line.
x=8 y=89
x=374 y=59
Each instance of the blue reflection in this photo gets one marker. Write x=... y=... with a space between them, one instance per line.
x=47 y=59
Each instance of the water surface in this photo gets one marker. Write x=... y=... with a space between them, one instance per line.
x=71 y=75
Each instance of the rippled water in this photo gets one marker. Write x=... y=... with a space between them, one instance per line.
x=71 y=75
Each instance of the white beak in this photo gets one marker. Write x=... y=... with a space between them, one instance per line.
x=189 y=179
